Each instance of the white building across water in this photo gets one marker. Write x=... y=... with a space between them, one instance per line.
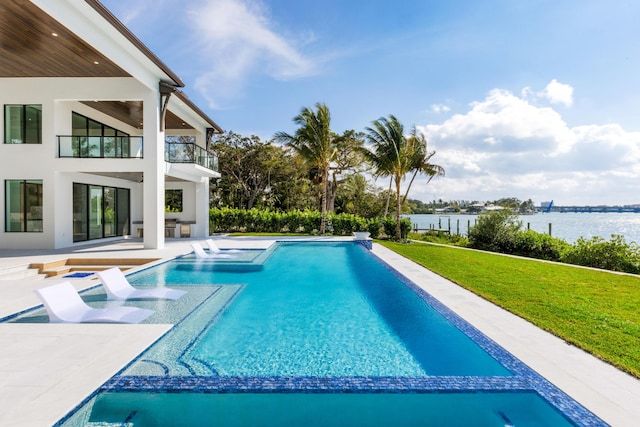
x=97 y=134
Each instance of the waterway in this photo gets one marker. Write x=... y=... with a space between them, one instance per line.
x=567 y=226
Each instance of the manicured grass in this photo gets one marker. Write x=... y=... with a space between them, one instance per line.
x=597 y=311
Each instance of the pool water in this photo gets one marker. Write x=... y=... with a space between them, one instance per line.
x=308 y=313
x=320 y=334
x=321 y=410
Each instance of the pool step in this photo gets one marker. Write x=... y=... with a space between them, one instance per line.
x=20 y=272
x=66 y=266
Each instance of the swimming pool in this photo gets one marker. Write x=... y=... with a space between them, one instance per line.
x=326 y=334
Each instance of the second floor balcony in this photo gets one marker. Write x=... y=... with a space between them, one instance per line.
x=187 y=152
x=131 y=147
x=100 y=146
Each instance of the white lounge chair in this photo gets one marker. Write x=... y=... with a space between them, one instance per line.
x=214 y=249
x=118 y=288
x=200 y=253
x=64 y=305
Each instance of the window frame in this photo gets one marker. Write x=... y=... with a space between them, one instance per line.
x=23 y=124
x=120 y=139
x=120 y=223
x=25 y=206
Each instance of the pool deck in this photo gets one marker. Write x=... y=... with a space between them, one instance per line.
x=47 y=369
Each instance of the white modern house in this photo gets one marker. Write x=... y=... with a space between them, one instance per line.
x=99 y=142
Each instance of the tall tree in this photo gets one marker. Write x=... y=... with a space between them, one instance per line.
x=346 y=163
x=395 y=155
x=421 y=159
x=388 y=154
x=314 y=142
x=250 y=169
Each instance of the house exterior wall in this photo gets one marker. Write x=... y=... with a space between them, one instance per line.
x=59 y=98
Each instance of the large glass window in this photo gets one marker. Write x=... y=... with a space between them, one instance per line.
x=94 y=139
x=95 y=212
x=99 y=212
x=23 y=205
x=173 y=200
x=80 y=212
x=109 y=202
x=23 y=124
x=122 y=211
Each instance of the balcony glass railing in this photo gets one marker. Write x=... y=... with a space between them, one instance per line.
x=100 y=146
x=176 y=152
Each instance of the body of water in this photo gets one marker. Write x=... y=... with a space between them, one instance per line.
x=567 y=226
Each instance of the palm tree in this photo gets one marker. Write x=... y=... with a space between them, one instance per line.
x=394 y=155
x=389 y=154
x=314 y=142
x=417 y=147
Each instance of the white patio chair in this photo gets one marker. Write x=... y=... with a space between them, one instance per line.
x=214 y=249
x=64 y=305
x=200 y=253
x=118 y=288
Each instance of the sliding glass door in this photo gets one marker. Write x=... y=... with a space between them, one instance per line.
x=95 y=212
x=99 y=212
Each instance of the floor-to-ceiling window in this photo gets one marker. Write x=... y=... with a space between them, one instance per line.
x=23 y=205
x=80 y=212
x=95 y=212
x=99 y=211
x=122 y=211
x=109 y=203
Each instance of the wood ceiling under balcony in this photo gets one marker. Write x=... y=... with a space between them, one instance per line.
x=33 y=44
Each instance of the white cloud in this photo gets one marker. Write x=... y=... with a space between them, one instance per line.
x=440 y=108
x=505 y=145
x=235 y=38
x=558 y=93
x=504 y=122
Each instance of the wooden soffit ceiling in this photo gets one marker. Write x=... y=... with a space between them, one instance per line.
x=33 y=44
x=130 y=112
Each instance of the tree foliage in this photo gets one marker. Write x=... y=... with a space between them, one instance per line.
x=393 y=154
x=315 y=143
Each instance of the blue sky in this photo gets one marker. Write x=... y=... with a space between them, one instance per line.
x=520 y=98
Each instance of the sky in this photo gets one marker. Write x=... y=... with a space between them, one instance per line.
x=533 y=99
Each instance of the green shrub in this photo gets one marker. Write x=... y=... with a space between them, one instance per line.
x=537 y=245
x=495 y=231
x=405 y=227
x=344 y=224
x=292 y=220
x=311 y=221
x=615 y=254
x=389 y=227
x=443 y=239
x=225 y=220
x=373 y=227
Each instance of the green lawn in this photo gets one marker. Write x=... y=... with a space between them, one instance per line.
x=597 y=311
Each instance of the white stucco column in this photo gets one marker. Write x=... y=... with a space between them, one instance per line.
x=202 y=209
x=154 y=168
